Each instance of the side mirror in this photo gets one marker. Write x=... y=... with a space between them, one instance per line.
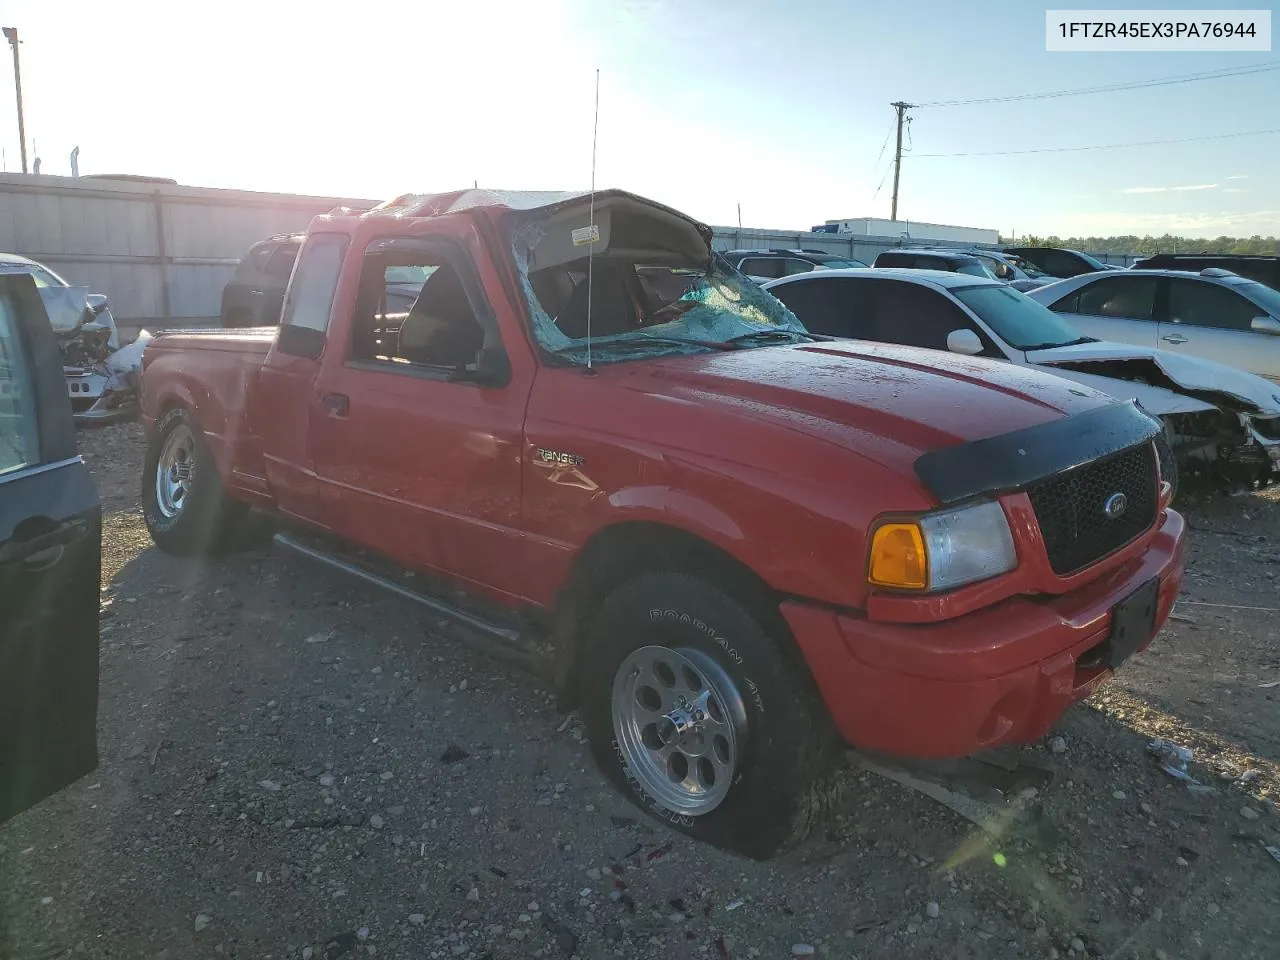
x=97 y=302
x=1265 y=325
x=965 y=342
x=491 y=369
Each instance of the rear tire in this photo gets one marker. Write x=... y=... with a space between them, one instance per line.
x=184 y=504
x=746 y=760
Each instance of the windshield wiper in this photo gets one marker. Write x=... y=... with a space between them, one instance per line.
x=770 y=336
x=1051 y=344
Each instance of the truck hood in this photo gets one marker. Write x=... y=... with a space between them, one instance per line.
x=1173 y=373
x=883 y=401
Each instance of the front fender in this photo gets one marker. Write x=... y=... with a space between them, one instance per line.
x=658 y=503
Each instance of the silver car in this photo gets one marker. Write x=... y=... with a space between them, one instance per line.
x=1214 y=314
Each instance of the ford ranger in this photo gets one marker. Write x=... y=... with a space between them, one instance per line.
x=734 y=544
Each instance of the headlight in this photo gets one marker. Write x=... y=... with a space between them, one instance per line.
x=943 y=550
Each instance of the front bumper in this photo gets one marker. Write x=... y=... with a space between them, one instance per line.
x=1000 y=675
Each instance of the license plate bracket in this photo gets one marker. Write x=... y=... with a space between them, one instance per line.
x=1133 y=622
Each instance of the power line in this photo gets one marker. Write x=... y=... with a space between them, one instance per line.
x=1103 y=146
x=879 y=156
x=1114 y=87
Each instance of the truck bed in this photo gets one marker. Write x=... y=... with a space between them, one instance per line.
x=216 y=372
x=244 y=340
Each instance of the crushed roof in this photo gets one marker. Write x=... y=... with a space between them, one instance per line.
x=438 y=204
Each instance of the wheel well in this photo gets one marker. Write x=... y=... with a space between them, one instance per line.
x=616 y=554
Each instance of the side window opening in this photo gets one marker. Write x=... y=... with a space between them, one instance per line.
x=761 y=267
x=259 y=256
x=413 y=310
x=916 y=316
x=1200 y=304
x=280 y=265
x=19 y=446
x=1129 y=298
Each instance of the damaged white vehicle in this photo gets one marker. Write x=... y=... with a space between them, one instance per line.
x=101 y=376
x=1222 y=424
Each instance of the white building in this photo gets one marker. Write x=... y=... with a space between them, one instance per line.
x=909 y=229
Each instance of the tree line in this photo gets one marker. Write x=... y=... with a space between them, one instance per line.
x=1149 y=245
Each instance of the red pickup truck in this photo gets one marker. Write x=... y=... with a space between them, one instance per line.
x=735 y=542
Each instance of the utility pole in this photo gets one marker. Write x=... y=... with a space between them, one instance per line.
x=11 y=34
x=902 y=109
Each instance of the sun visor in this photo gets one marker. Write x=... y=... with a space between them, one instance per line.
x=571 y=235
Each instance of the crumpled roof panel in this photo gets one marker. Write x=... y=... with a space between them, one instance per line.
x=438 y=204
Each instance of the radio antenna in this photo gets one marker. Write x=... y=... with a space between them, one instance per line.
x=591 y=224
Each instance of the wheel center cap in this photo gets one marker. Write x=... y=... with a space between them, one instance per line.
x=685 y=718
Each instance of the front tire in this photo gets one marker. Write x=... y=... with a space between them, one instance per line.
x=183 y=501
x=703 y=716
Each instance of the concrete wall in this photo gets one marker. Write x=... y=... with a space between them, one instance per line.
x=160 y=252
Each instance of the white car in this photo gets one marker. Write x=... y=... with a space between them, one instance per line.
x=1221 y=423
x=99 y=386
x=1213 y=314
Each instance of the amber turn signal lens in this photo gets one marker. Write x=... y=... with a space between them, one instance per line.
x=898 y=557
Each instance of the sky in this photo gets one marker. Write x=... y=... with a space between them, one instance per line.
x=780 y=107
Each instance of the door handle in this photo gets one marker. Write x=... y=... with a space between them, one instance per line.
x=335 y=404
x=255 y=293
x=41 y=548
x=1174 y=338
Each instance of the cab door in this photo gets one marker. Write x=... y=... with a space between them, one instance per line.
x=50 y=538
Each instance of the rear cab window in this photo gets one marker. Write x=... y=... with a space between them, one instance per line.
x=309 y=298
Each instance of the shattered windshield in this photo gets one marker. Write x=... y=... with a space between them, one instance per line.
x=637 y=302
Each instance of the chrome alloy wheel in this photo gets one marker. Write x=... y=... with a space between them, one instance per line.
x=175 y=470
x=680 y=724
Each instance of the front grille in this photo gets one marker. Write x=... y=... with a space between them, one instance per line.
x=1071 y=507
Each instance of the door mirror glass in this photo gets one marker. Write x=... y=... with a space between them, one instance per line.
x=965 y=342
x=1265 y=325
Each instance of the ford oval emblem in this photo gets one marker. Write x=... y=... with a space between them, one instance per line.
x=1116 y=505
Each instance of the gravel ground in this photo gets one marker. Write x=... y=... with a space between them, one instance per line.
x=292 y=767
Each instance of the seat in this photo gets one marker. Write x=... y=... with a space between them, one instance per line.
x=441 y=329
x=613 y=311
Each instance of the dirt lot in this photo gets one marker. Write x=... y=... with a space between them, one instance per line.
x=294 y=768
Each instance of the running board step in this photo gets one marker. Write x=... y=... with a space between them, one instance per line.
x=495 y=638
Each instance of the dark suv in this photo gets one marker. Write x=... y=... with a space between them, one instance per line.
x=1264 y=269
x=929 y=259
x=1059 y=262
x=763 y=265
x=255 y=294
